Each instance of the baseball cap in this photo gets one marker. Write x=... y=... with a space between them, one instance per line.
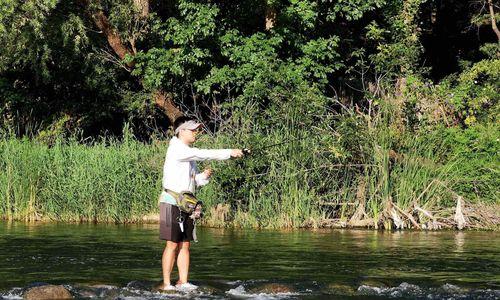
x=191 y=125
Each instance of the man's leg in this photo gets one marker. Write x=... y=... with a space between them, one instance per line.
x=167 y=261
x=183 y=262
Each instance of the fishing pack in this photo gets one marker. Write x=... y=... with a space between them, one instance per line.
x=187 y=202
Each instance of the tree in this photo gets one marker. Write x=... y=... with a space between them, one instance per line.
x=126 y=48
x=491 y=9
x=103 y=61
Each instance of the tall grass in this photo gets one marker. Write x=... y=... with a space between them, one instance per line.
x=404 y=168
x=323 y=170
x=304 y=182
x=106 y=181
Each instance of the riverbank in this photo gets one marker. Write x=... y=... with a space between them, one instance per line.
x=298 y=185
x=475 y=217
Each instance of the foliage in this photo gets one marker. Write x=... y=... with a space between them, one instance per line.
x=476 y=148
x=107 y=181
x=399 y=48
x=182 y=49
x=491 y=50
x=340 y=85
x=468 y=98
x=476 y=95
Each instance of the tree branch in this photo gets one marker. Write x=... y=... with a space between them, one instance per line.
x=143 y=7
x=493 y=20
x=270 y=16
x=161 y=98
x=165 y=101
x=114 y=39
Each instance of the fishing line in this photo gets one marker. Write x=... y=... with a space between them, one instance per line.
x=323 y=166
x=249 y=151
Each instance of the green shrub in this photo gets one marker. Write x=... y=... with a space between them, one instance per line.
x=106 y=181
x=477 y=149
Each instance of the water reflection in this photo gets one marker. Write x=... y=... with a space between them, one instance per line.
x=459 y=241
x=340 y=259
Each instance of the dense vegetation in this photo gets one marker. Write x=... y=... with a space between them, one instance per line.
x=385 y=111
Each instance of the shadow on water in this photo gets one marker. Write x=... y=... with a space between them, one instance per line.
x=123 y=261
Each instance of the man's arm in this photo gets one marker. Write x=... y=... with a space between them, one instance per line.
x=202 y=178
x=195 y=154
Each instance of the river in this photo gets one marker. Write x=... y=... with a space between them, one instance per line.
x=123 y=262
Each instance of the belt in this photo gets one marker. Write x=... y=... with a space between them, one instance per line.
x=175 y=194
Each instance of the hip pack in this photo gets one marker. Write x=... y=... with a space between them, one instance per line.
x=187 y=203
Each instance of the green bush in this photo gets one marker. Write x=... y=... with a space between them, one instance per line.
x=477 y=149
x=106 y=181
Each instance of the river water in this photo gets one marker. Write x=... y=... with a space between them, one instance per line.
x=123 y=262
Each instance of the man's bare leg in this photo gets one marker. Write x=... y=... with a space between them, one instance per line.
x=183 y=262
x=167 y=261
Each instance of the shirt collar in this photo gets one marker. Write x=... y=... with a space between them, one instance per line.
x=176 y=141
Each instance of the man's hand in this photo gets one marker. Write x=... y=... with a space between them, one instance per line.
x=237 y=153
x=207 y=173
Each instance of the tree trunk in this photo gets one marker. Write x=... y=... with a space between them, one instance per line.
x=270 y=16
x=165 y=101
x=114 y=39
x=493 y=20
x=161 y=98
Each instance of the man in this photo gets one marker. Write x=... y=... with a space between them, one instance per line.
x=180 y=174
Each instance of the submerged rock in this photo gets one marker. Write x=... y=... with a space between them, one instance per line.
x=405 y=290
x=373 y=282
x=47 y=292
x=340 y=289
x=104 y=286
x=208 y=290
x=272 y=288
x=141 y=285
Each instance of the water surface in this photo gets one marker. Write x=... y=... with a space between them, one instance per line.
x=123 y=261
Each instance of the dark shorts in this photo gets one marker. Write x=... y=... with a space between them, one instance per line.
x=170 y=230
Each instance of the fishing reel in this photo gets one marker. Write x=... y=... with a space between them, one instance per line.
x=246 y=151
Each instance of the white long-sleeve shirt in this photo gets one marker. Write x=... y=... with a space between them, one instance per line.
x=179 y=171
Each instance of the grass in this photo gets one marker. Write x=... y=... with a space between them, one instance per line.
x=107 y=181
x=301 y=182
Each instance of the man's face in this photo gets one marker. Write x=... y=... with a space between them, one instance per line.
x=188 y=135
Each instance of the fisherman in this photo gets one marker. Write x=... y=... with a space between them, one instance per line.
x=181 y=175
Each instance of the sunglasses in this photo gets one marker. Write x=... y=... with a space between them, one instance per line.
x=197 y=130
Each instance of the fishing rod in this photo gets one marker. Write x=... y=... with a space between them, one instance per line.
x=251 y=151
x=248 y=151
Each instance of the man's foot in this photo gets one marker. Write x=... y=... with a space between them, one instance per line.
x=166 y=287
x=186 y=286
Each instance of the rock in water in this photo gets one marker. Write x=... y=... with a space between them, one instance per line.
x=340 y=289
x=140 y=285
x=47 y=292
x=272 y=288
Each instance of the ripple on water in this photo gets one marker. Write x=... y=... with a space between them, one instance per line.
x=268 y=290
x=411 y=291
x=14 y=293
x=241 y=292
